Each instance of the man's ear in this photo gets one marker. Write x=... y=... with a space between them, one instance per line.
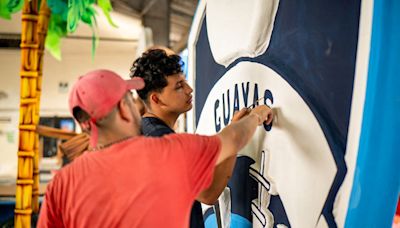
x=124 y=110
x=154 y=98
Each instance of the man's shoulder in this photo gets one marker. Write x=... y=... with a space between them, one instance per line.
x=73 y=168
x=152 y=126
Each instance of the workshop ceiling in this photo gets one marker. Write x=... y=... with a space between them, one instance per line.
x=170 y=20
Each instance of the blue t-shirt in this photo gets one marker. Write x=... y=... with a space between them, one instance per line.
x=152 y=126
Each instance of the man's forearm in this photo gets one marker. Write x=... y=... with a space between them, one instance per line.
x=236 y=135
x=245 y=129
x=222 y=174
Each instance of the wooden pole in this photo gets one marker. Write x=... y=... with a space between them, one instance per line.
x=44 y=15
x=29 y=117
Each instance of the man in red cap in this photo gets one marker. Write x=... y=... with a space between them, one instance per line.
x=123 y=181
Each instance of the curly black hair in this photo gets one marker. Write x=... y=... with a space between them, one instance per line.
x=154 y=66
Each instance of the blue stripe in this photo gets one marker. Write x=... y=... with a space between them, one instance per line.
x=237 y=221
x=376 y=184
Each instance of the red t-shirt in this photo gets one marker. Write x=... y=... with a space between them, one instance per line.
x=141 y=182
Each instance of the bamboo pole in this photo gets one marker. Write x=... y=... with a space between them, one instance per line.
x=44 y=15
x=28 y=114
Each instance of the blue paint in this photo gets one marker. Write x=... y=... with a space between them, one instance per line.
x=226 y=109
x=237 y=221
x=236 y=105
x=376 y=184
x=217 y=120
x=245 y=92
x=211 y=221
x=225 y=113
x=268 y=97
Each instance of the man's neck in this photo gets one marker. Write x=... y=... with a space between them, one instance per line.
x=107 y=138
x=168 y=118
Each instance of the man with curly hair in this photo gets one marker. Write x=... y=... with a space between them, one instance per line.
x=167 y=95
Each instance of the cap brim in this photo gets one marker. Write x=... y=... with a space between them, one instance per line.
x=135 y=83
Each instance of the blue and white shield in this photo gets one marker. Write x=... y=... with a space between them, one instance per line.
x=309 y=62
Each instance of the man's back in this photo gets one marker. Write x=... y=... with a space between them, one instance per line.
x=140 y=182
x=152 y=126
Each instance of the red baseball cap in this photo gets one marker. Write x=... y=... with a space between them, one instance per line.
x=97 y=93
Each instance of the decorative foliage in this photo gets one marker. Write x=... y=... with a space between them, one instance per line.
x=64 y=19
x=69 y=14
x=57 y=29
x=8 y=7
x=105 y=5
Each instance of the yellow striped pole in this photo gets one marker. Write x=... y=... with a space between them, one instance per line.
x=44 y=15
x=29 y=117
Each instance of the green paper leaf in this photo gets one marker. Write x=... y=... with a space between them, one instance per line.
x=9 y=7
x=57 y=29
x=59 y=7
x=76 y=9
x=4 y=10
x=105 y=5
x=95 y=43
x=52 y=45
x=15 y=5
x=89 y=16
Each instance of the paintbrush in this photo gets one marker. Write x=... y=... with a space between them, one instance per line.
x=254 y=103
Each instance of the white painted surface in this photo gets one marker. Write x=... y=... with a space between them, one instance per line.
x=298 y=162
x=243 y=29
